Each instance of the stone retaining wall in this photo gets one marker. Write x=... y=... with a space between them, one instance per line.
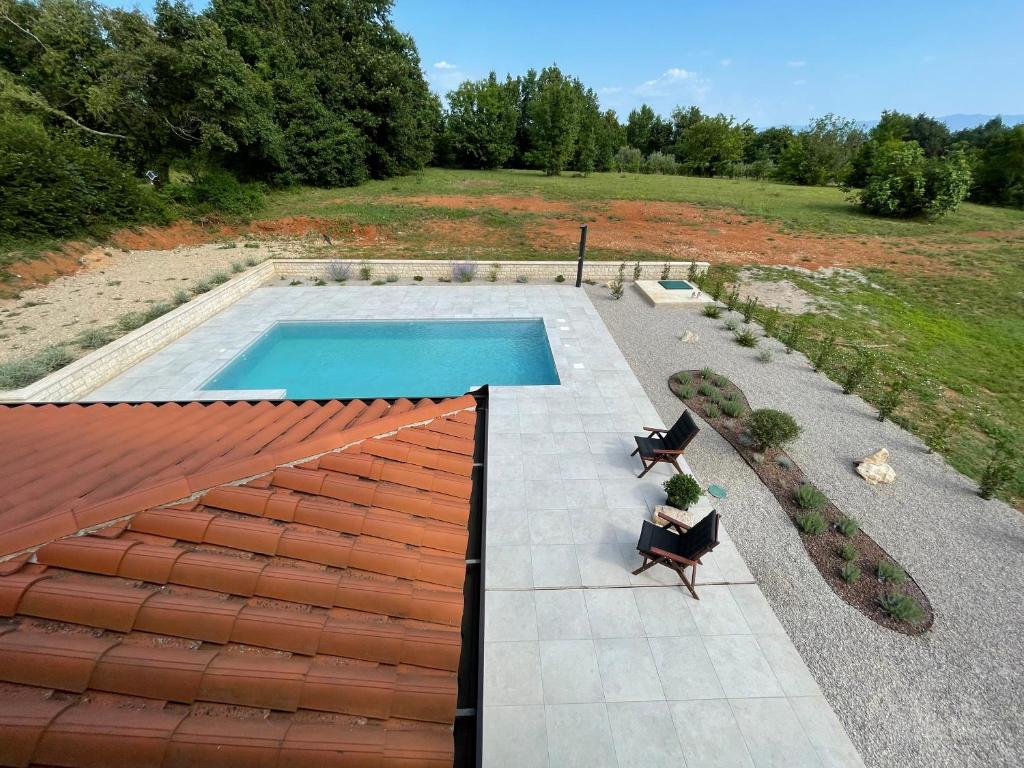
x=432 y=269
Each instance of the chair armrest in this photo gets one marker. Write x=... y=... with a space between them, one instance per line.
x=669 y=451
x=656 y=430
x=683 y=527
x=673 y=556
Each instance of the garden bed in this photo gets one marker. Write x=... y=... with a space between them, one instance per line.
x=705 y=393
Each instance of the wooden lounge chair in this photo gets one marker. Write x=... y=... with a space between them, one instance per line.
x=666 y=444
x=680 y=548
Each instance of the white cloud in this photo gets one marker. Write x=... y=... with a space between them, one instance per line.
x=725 y=62
x=667 y=78
x=796 y=63
x=445 y=65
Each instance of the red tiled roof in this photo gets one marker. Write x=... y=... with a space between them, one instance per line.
x=240 y=584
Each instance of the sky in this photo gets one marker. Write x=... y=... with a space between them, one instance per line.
x=772 y=63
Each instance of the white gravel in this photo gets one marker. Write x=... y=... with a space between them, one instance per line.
x=952 y=697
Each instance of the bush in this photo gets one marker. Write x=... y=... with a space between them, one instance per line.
x=848 y=552
x=770 y=320
x=902 y=182
x=999 y=472
x=392 y=278
x=20 y=373
x=54 y=186
x=749 y=307
x=682 y=490
x=857 y=370
x=849 y=573
x=628 y=160
x=377 y=282
x=784 y=462
x=811 y=523
x=559 y=278
x=732 y=408
x=711 y=411
x=492 y=272
x=365 y=270
x=720 y=381
x=772 y=429
x=892 y=398
x=417 y=278
x=794 y=333
x=765 y=355
x=525 y=279
x=731 y=325
x=666 y=271
x=219 y=278
x=683 y=378
x=825 y=353
x=463 y=272
x=339 y=271
x=637 y=271
x=131 y=320
x=746 y=338
x=686 y=392
x=659 y=162
x=733 y=299
x=237 y=266
x=708 y=389
x=716 y=290
x=707 y=373
x=902 y=607
x=809 y=497
x=890 y=572
x=181 y=296
x=94 y=338
x=847 y=526
x=201 y=286
x=216 y=191
x=713 y=311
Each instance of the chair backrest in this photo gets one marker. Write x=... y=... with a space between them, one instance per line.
x=682 y=432
x=701 y=538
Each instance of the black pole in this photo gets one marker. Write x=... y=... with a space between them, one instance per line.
x=583 y=253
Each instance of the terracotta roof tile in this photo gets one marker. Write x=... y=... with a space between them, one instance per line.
x=329 y=582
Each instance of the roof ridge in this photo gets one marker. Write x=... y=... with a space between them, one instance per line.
x=171 y=490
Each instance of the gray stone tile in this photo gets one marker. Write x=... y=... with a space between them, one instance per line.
x=773 y=735
x=508 y=567
x=741 y=667
x=515 y=736
x=545 y=494
x=791 y=672
x=579 y=736
x=555 y=566
x=826 y=733
x=583 y=494
x=509 y=615
x=577 y=466
x=550 y=526
x=644 y=735
x=755 y=609
x=601 y=565
x=709 y=735
x=716 y=613
x=613 y=613
x=569 y=672
x=562 y=614
x=685 y=670
x=627 y=670
x=665 y=611
x=512 y=674
x=508 y=529
x=608 y=442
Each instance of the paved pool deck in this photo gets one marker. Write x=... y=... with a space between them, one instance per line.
x=584 y=663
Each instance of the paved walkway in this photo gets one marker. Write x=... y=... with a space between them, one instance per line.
x=585 y=664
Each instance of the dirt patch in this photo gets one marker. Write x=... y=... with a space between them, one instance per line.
x=780 y=474
x=508 y=203
x=781 y=294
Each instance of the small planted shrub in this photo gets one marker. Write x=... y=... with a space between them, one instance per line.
x=18 y=373
x=94 y=338
x=902 y=607
x=825 y=353
x=809 y=497
x=320 y=282
x=849 y=573
x=765 y=355
x=713 y=311
x=746 y=338
x=691 y=271
x=712 y=411
x=522 y=279
x=719 y=381
x=686 y=392
x=770 y=320
x=294 y=283
x=848 y=552
x=492 y=273
x=847 y=526
x=794 y=333
x=857 y=370
x=251 y=261
x=811 y=523
x=392 y=278
x=463 y=272
x=683 y=378
x=944 y=429
x=365 y=270
x=418 y=278
x=201 y=286
x=666 y=271
x=637 y=271
x=749 y=307
x=682 y=490
x=338 y=271
x=716 y=290
x=708 y=389
x=731 y=325
x=771 y=428
x=732 y=408
x=181 y=296
x=617 y=289
x=237 y=266
x=784 y=462
x=251 y=245
x=706 y=372
x=130 y=321
x=733 y=299
x=559 y=278
x=219 y=278
x=617 y=285
x=999 y=471
x=890 y=572
x=377 y=282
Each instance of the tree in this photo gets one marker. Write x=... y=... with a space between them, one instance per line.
x=999 y=176
x=707 y=146
x=903 y=182
x=554 y=114
x=767 y=144
x=610 y=136
x=821 y=153
x=482 y=119
x=628 y=160
x=640 y=129
x=930 y=134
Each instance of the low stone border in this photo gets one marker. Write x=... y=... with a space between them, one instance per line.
x=821 y=548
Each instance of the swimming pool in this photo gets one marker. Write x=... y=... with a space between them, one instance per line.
x=391 y=358
x=676 y=285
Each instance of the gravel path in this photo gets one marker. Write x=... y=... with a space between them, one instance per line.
x=954 y=696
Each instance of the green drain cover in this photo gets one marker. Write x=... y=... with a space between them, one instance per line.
x=717 y=491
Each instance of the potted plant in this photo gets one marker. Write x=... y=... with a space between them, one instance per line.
x=682 y=491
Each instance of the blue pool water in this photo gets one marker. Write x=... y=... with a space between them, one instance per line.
x=391 y=358
x=675 y=285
